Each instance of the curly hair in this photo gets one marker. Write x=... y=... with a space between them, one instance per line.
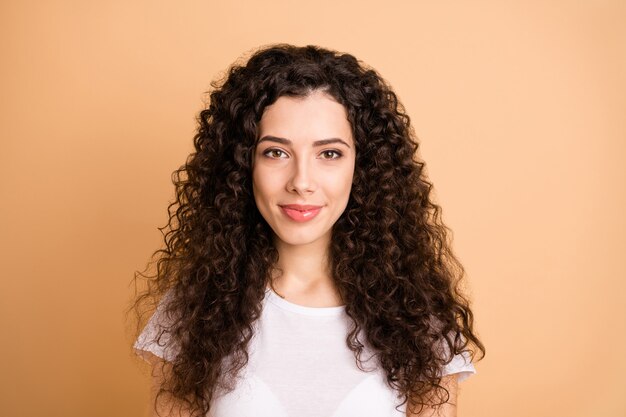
x=390 y=253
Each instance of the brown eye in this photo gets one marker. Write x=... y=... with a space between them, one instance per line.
x=331 y=153
x=272 y=153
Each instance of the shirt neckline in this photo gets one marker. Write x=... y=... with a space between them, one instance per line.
x=280 y=302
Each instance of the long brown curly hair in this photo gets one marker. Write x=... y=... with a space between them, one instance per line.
x=390 y=253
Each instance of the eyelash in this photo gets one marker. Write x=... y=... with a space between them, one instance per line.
x=338 y=153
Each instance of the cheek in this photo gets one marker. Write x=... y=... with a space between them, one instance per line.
x=343 y=187
x=257 y=188
x=350 y=174
x=263 y=185
x=260 y=198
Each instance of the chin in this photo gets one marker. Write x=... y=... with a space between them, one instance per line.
x=299 y=239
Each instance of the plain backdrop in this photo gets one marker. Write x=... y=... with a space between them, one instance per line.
x=519 y=107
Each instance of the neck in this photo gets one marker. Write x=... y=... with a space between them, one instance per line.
x=302 y=274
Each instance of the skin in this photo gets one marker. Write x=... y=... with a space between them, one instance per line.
x=302 y=171
x=294 y=169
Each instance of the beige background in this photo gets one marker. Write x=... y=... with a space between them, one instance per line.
x=520 y=110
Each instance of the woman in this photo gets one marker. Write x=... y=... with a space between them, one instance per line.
x=306 y=270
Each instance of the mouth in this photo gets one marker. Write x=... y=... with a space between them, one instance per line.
x=300 y=213
x=300 y=207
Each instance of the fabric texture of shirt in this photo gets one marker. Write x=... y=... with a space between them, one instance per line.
x=300 y=366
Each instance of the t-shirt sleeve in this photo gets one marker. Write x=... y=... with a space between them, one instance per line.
x=460 y=364
x=155 y=337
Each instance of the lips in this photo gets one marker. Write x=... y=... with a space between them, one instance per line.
x=300 y=212
x=300 y=207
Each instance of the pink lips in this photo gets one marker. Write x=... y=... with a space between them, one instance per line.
x=300 y=213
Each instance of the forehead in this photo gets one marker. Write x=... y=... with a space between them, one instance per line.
x=315 y=116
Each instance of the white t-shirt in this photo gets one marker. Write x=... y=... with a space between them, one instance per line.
x=300 y=366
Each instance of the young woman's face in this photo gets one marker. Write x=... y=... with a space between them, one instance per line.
x=304 y=157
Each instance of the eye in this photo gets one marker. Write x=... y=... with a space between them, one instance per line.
x=331 y=152
x=272 y=153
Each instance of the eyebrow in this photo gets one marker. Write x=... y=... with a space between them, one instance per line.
x=288 y=142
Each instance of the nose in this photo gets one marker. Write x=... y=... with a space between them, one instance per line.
x=301 y=180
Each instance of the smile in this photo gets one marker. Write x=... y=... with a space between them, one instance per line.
x=299 y=215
